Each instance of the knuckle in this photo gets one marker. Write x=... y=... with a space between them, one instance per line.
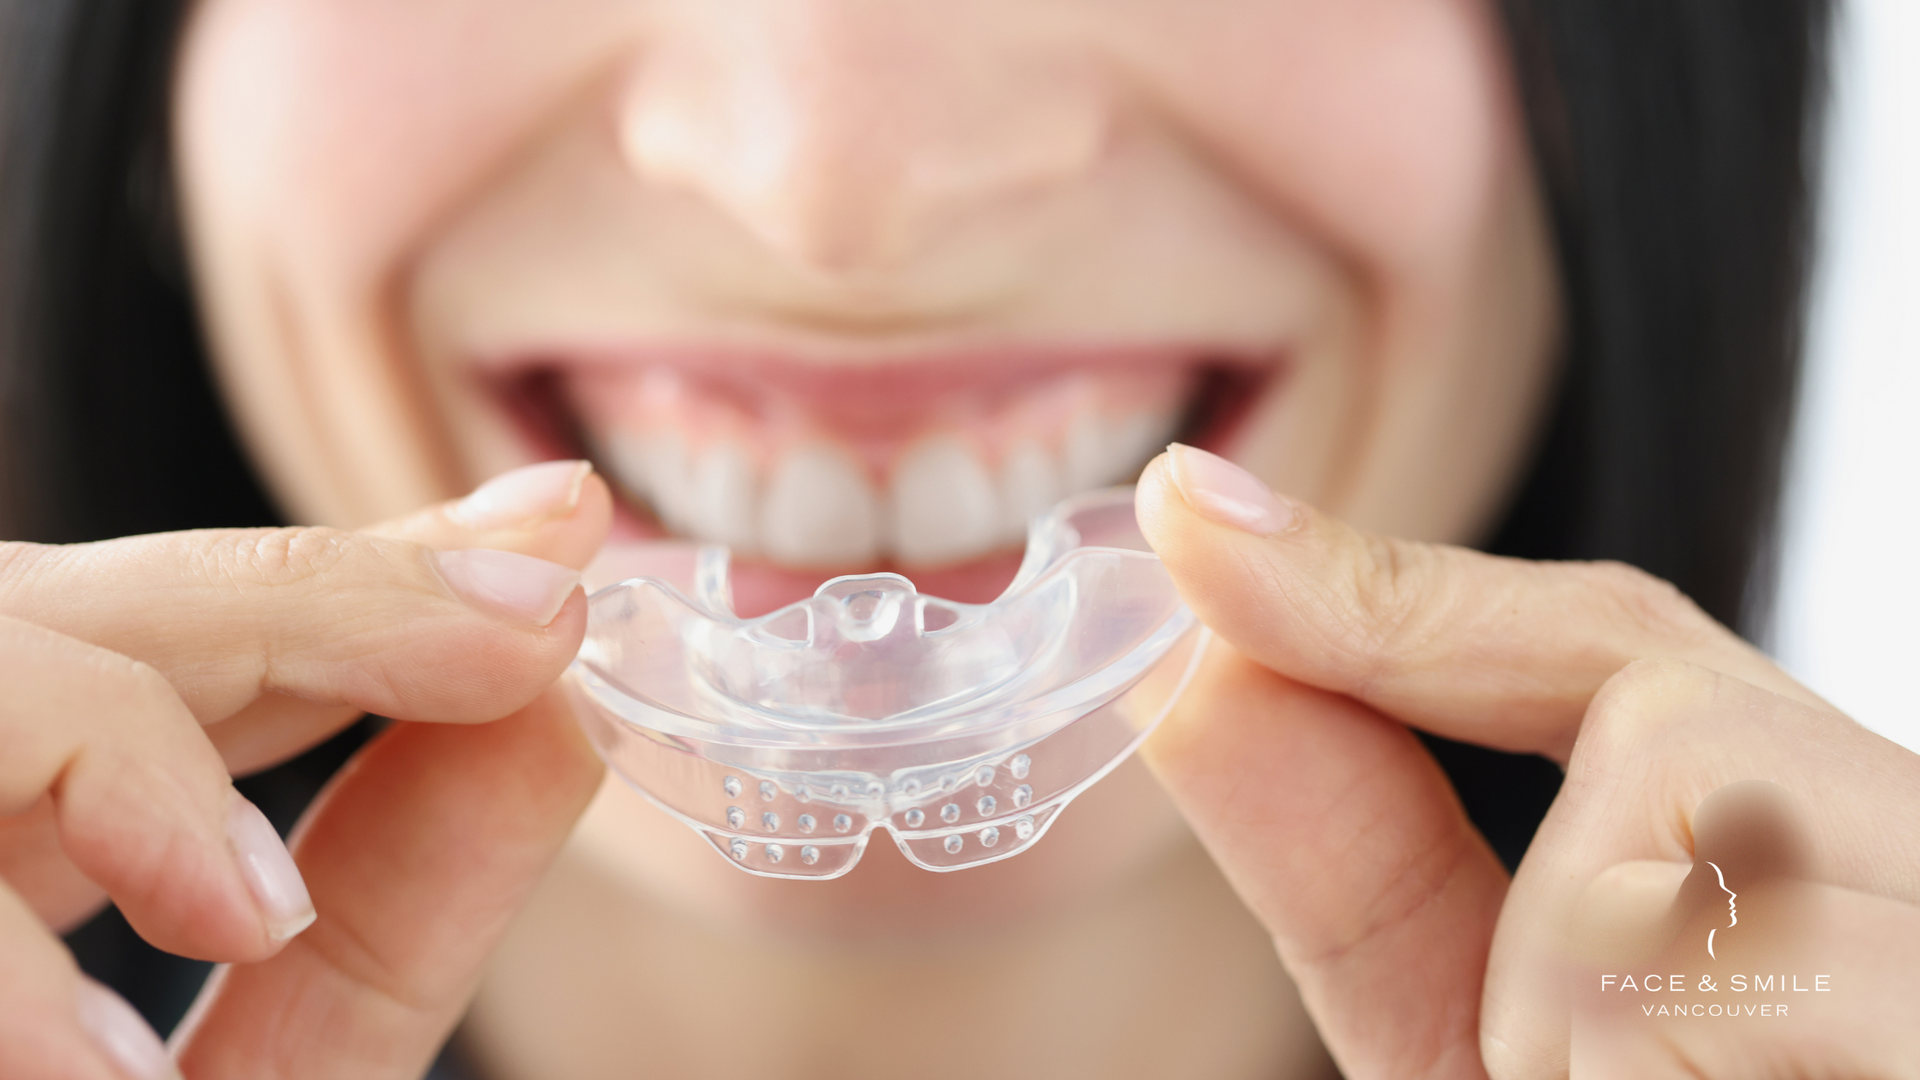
x=273 y=558
x=1650 y=605
x=1396 y=590
x=18 y=561
x=1639 y=754
x=14 y=553
x=1644 y=700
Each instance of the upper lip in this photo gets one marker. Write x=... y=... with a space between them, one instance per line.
x=929 y=369
x=875 y=391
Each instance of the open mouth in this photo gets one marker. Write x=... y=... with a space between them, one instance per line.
x=930 y=466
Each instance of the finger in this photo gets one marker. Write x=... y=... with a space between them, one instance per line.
x=418 y=855
x=55 y=1023
x=1344 y=838
x=34 y=866
x=1838 y=997
x=381 y=625
x=142 y=803
x=1636 y=788
x=1623 y=916
x=558 y=511
x=1500 y=652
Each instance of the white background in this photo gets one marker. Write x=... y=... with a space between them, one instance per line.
x=1848 y=618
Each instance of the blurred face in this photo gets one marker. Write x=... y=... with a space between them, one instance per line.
x=860 y=283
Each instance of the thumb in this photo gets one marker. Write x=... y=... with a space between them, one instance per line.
x=1501 y=652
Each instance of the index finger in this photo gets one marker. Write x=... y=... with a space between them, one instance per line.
x=1501 y=652
x=377 y=623
x=557 y=511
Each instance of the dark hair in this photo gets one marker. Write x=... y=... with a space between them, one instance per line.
x=109 y=422
x=1675 y=141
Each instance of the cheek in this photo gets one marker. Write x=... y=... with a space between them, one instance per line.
x=317 y=144
x=1389 y=133
x=342 y=130
x=1379 y=126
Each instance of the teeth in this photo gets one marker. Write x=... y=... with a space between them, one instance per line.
x=819 y=510
x=626 y=458
x=723 y=497
x=1136 y=439
x=1102 y=453
x=944 y=504
x=1031 y=484
x=1085 y=453
x=655 y=467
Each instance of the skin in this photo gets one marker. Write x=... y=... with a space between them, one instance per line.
x=1277 y=142
x=1117 y=178
x=1413 y=951
x=262 y=657
x=378 y=195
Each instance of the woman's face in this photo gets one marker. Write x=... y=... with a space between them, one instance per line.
x=851 y=283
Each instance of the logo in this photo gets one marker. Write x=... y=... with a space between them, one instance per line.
x=1733 y=913
x=1737 y=982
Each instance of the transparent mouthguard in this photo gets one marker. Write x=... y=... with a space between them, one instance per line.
x=963 y=729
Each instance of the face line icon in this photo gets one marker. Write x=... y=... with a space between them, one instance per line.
x=1732 y=912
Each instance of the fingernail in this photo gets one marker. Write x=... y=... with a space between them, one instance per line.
x=265 y=862
x=516 y=585
x=1226 y=493
x=523 y=496
x=122 y=1035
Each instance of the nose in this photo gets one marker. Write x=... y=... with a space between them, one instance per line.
x=848 y=134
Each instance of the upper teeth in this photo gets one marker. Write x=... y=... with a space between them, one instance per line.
x=945 y=505
x=816 y=507
x=818 y=511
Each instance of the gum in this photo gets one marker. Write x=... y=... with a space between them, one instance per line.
x=963 y=730
x=763 y=419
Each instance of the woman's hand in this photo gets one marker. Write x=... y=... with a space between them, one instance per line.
x=1414 y=953
x=133 y=667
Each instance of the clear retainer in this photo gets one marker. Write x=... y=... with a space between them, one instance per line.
x=964 y=729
